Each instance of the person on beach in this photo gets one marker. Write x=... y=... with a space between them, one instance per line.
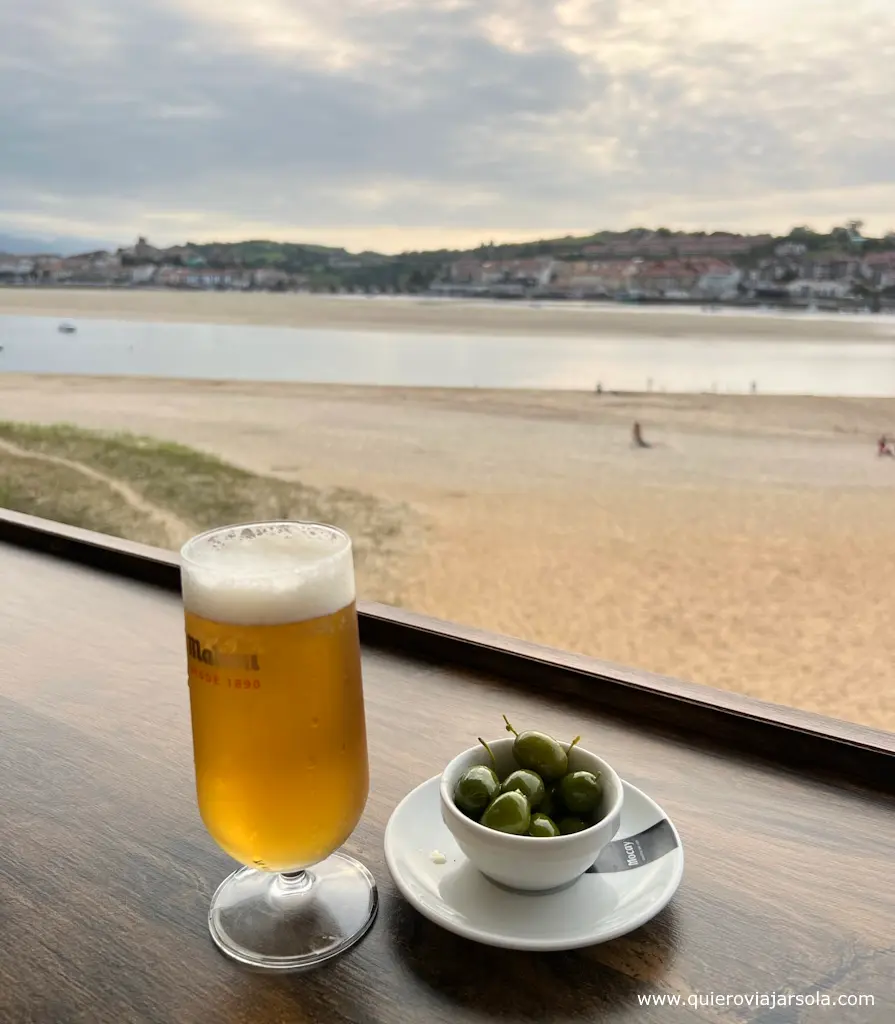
x=883 y=447
x=637 y=437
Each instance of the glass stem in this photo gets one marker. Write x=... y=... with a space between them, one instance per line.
x=295 y=882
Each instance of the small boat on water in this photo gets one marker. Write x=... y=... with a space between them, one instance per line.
x=67 y=328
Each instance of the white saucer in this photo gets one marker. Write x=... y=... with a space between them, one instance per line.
x=611 y=899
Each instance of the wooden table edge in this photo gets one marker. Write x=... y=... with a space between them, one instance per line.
x=786 y=736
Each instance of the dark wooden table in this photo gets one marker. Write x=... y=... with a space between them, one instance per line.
x=106 y=871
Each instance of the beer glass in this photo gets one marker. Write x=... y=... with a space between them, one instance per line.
x=279 y=737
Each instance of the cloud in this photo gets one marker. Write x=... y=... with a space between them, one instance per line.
x=401 y=122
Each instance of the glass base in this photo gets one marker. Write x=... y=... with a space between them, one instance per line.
x=297 y=921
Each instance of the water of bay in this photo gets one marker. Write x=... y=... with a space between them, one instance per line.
x=623 y=363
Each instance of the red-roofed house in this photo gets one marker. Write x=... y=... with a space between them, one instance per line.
x=879 y=267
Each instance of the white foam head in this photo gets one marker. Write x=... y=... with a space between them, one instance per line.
x=265 y=574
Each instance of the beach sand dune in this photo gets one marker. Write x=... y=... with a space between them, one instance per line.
x=435 y=316
x=750 y=549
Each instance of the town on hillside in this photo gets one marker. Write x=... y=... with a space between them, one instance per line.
x=842 y=269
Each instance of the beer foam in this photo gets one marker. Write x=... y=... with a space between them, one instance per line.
x=267 y=574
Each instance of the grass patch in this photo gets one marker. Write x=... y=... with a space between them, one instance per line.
x=200 y=490
x=64 y=495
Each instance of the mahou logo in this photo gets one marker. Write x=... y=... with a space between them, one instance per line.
x=220 y=659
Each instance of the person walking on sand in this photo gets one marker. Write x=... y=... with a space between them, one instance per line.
x=637 y=437
x=883 y=448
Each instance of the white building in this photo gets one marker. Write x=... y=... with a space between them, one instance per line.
x=813 y=289
x=791 y=249
x=720 y=282
x=144 y=273
x=15 y=266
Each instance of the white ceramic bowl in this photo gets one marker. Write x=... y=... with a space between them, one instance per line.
x=524 y=862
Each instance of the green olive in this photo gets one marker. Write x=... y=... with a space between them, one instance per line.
x=475 y=789
x=508 y=812
x=569 y=825
x=539 y=753
x=529 y=783
x=581 y=792
x=552 y=804
x=543 y=827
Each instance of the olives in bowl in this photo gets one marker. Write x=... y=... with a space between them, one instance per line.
x=540 y=820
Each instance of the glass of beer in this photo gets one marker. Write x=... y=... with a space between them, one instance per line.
x=279 y=737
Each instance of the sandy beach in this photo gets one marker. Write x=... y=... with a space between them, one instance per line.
x=428 y=316
x=750 y=549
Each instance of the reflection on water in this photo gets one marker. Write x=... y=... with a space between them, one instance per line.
x=625 y=363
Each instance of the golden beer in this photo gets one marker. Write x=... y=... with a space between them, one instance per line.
x=279 y=737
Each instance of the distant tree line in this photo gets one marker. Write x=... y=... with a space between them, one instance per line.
x=330 y=268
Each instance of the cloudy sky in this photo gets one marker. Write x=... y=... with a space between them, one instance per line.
x=396 y=124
